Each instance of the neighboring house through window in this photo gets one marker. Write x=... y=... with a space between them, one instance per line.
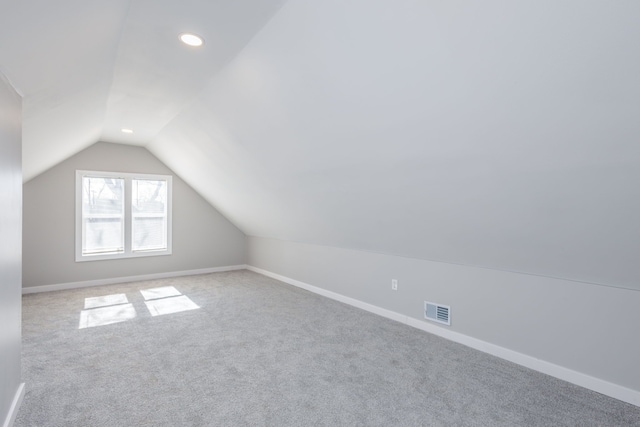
x=122 y=215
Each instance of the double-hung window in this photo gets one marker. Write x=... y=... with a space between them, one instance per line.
x=122 y=215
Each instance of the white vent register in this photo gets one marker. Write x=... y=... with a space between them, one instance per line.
x=437 y=312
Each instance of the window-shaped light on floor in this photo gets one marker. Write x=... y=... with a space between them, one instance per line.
x=106 y=310
x=166 y=300
x=163 y=292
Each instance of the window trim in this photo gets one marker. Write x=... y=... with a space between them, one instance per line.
x=128 y=217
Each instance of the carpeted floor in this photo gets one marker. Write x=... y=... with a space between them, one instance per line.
x=258 y=352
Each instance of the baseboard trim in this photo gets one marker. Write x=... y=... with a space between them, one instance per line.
x=15 y=406
x=116 y=280
x=595 y=384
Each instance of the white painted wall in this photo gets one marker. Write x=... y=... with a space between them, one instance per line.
x=202 y=237
x=582 y=327
x=10 y=248
x=494 y=134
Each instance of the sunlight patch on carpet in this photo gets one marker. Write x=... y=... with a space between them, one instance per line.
x=106 y=315
x=163 y=292
x=104 y=301
x=115 y=308
x=170 y=305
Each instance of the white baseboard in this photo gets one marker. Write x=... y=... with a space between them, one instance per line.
x=115 y=280
x=15 y=406
x=601 y=386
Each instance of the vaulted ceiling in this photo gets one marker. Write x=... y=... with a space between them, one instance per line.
x=496 y=134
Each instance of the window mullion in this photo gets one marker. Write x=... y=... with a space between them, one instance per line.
x=127 y=215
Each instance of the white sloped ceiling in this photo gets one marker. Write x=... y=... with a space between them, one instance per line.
x=87 y=69
x=496 y=134
x=156 y=76
x=59 y=56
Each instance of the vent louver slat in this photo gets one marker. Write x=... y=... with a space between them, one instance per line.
x=437 y=312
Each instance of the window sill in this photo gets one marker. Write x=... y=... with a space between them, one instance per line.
x=123 y=255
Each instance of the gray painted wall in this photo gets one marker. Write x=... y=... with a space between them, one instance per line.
x=588 y=328
x=10 y=244
x=202 y=237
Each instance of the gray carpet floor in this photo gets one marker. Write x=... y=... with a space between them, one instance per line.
x=258 y=352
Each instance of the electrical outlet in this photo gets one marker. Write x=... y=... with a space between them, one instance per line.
x=394 y=284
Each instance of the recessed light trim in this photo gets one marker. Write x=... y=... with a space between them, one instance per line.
x=125 y=130
x=191 y=39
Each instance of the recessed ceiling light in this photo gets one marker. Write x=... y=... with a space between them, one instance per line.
x=125 y=130
x=191 y=39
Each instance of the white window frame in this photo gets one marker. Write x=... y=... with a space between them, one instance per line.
x=128 y=252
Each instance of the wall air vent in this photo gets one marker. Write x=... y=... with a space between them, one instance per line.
x=437 y=312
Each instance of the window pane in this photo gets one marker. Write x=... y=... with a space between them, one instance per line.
x=102 y=215
x=149 y=214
